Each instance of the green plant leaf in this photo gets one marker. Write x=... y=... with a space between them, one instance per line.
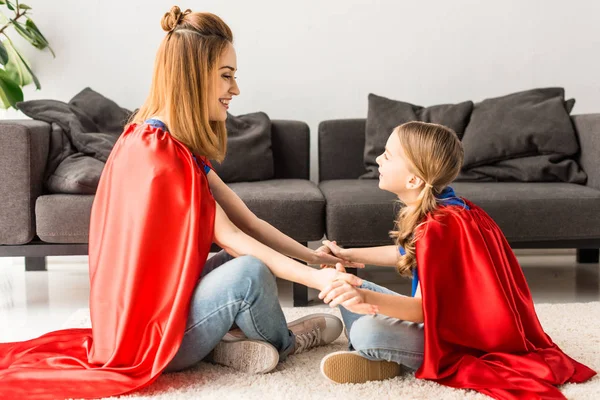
x=10 y=92
x=10 y=6
x=18 y=68
x=2 y=2
x=34 y=30
x=24 y=7
x=3 y=54
x=28 y=35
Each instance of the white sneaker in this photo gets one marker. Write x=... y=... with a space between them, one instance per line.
x=315 y=330
x=245 y=355
x=351 y=367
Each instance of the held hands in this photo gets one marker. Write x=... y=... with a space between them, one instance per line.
x=342 y=291
x=330 y=254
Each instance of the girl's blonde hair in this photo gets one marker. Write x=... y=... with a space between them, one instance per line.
x=435 y=154
x=184 y=64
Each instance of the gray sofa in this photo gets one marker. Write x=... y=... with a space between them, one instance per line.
x=532 y=215
x=34 y=224
x=354 y=212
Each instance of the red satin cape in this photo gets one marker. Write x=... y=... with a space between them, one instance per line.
x=150 y=233
x=481 y=329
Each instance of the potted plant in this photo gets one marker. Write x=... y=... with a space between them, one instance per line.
x=15 y=71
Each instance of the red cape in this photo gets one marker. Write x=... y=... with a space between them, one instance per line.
x=150 y=233
x=481 y=329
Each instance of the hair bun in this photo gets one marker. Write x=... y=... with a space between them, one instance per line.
x=172 y=18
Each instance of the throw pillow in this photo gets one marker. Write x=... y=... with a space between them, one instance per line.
x=249 y=154
x=386 y=114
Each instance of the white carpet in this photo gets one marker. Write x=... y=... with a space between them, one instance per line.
x=574 y=327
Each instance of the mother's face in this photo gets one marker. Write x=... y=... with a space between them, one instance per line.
x=223 y=86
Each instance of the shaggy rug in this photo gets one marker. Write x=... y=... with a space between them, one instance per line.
x=574 y=327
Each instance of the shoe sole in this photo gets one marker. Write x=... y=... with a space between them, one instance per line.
x=250 y=356
x=345 y=367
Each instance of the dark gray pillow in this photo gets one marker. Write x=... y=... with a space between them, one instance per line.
x=106 y=114
x=68 y=117
x=523 y=124
x=249 y=153
x=76 y=174
x=84 y=132
x=385 y=114
x=540 y=168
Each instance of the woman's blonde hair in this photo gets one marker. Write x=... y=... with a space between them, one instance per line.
x=435 y=154
x=184 y=64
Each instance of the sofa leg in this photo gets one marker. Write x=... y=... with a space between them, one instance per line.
x=300 y=293
x=588 y=256
x=35 y=264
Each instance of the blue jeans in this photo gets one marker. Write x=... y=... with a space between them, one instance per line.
x=232 y=290
x=378 y=337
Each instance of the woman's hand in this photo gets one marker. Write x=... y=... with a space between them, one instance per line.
x=342 y=293
x=325 y=256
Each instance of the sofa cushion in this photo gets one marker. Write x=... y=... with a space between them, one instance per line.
x=294 y=206
x=89 y=124
x=108 y=116
x=358 y=213
x=537 y=211
x=63 y=218
x=385 y=114
x=524 y=124
x=249 y=154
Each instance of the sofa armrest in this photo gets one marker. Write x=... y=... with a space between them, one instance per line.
x=24 y=146
x=587 y=127
x=291 y=149
x=341 y=149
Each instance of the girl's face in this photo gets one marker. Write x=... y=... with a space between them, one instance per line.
x=223 y=86
x=395 y=173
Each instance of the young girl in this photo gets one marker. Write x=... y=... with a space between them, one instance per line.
x=471 y=321
x=155 y=305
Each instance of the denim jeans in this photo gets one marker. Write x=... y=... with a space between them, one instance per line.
x=232 y=290
x=378 y=337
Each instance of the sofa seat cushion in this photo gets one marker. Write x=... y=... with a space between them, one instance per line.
x=537 y=211
x=63 y=218
x=358 y=213
x=294 y=206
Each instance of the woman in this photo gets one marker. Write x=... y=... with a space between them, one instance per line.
x=154 y=303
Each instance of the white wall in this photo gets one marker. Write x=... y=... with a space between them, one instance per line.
x=315 y=60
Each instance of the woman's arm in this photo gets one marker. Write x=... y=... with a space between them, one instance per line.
x=236 y=242
x=382 y=255
x=260 y=230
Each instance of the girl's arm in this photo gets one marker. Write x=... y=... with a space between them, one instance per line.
x=350 y=297
x=236 y=242
x=249 y=223
x=382 y=255
x=401 y=307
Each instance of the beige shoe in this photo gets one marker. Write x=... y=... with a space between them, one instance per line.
x=351 y=367
x=250 y=356
x=315 y=330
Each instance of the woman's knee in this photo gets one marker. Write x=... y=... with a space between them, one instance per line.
x=250 y=267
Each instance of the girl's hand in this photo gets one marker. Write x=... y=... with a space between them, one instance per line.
x=340 y=293
x=344 y=293
x=328 y=258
